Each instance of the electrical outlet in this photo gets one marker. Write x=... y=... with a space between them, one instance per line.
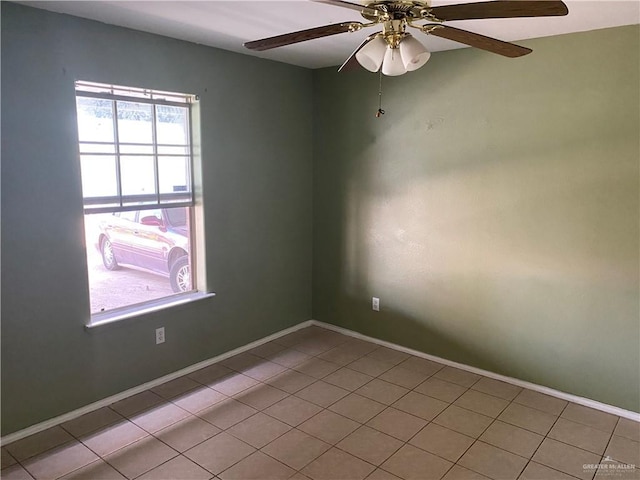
x=159 y=335
x=375 y=304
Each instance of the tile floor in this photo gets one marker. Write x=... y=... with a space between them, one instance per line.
x=319 y=405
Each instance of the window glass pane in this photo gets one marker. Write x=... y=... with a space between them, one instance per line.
x=130 y=263
x=172 y=124
x=135 y=122
x=128 y=149
x=170 y=150
x=95 y=119
x=97 y=148
x=98 y=175
x=173 y=173
x=137 y=174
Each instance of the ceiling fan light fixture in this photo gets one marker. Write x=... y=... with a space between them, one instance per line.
x=392 y=65
x=372 y=54
x=414 y=54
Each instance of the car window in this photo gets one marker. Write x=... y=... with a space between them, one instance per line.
x=151 y=213
x=131 y=216
x=177 y=216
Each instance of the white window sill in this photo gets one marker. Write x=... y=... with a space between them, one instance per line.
x=100 y=319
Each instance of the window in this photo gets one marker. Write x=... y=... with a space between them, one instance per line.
x=136 y=165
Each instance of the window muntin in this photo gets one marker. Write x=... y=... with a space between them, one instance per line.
x=136 y=164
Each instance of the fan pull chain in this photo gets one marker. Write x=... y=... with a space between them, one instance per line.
x=380 y=111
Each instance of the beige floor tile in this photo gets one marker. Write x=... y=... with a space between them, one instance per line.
x=159 y=417
x=16 y=472
x=289 y=358
x=404 y=377
x=188 y=433
x=590 y=417
x=337 y=465
x=412 y=463
x=347 y=379
x=316 y=367
x=259 y=430
x=441 y=389
x=38 y=443
x=370 y=366
x=358 y=408
x=329 y=427
x=267 y=349
x=481 y=403
x=624 y=450
x=313 y=347
x=233 y=384
x=291 y=381
x=59 y=461
x=322 y=393
x=421 y=365
x=370 y=445
x=457 y=376
x=293 y=410
x=177 y=468
x=460 y=473
x=540 y=401
x=442 y=442
x=567 y=459
x=463 y=421
x=261 y=396
x=198 y=399
x=258 y=466
x=7 y=459
x=210 y=374
x=396 y=423
x=114 y=437
x=92 y=421
x=528 y=418
x=497 y=388
x=265 y=370
x=388 y=355
x=98 y=470
x=379 y=474
x=628 y=429
x=175 y=387
x=241 y=361
x=581 y=436
x=341 y=355
x=137 y=403
x=420 y=405
x=493 y=462
x=296 y=449
x=226 y=413
x=536 y=471
x=360 y=346
x=610 y=469
x=512 y=439
x=140 y=457
x=219 y=453
x=381 y=391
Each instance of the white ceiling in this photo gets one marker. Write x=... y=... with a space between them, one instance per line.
x=227 y=24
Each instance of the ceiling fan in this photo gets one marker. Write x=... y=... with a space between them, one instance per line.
x=395 y=50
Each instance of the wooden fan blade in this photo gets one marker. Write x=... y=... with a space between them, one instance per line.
x=302 y=36
x=352 y=63
x=478 y=41
x=500 y=9
x=352 y=6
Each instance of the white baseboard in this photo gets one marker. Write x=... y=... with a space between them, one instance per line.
x=12 y=437
x=496 y=376
x=185 y=371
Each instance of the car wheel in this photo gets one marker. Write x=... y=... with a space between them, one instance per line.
x=108 y=257
x=180 y=275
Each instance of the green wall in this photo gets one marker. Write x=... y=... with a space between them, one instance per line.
x=493 y=209
x=256 y=122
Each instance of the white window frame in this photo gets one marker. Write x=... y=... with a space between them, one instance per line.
x=121 y=203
